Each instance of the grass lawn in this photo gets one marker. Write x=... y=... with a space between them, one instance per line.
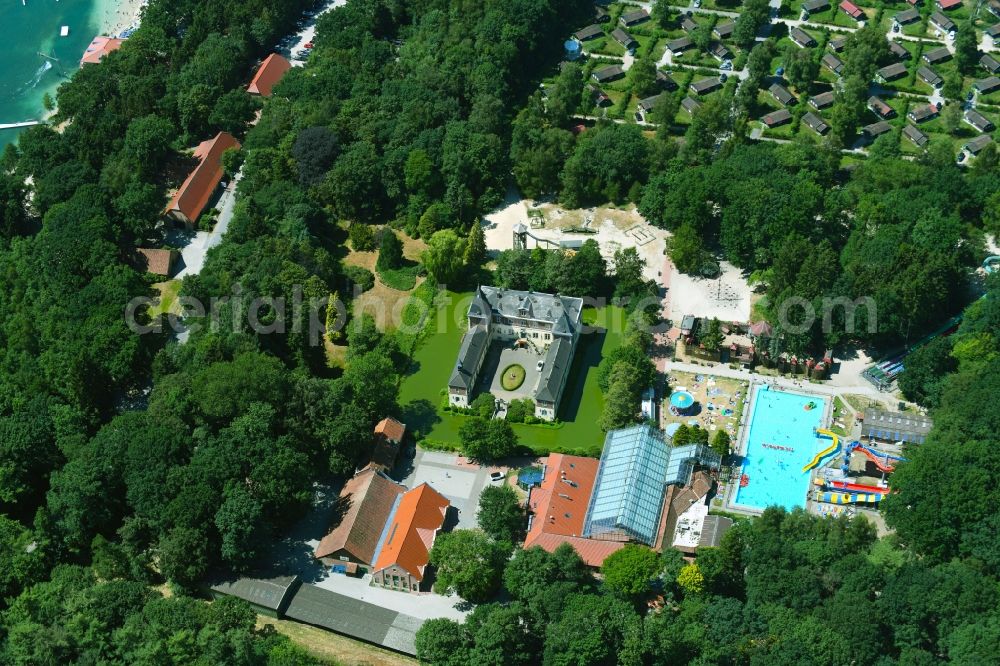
x=334 y=648
x=582 y=401
x=168 y=298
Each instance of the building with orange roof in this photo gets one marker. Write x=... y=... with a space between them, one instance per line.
x=99 y=47
x=558 y=508
x=155 y=261
x=197 y=189
x=268 y=74
x=389 y=435
x=364 y=506
x=404 y=546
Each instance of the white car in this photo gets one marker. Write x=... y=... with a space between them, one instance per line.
x=540 y=365
x=496 y=476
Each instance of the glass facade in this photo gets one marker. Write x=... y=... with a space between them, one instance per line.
x=636 y=466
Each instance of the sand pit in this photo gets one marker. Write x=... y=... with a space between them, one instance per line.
x=726 y=297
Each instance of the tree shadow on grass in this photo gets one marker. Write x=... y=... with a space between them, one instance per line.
x=420 y=416
x=586 y=360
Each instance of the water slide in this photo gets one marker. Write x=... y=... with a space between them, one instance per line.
x=855 y=487
x=825 y=452
x=992 y=264
x=881 y=460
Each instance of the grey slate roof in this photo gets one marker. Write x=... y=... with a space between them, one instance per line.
x=989 y=63
x=609 y=73
x=775 y=118
x=679 y=44
x=977 y=144
x=801 y=37
x=936 y=55
x=558 y=359
x=815 y=123
x=623 y=38
x=724 y=30
x=271 y=593
x=713 y=529
x=709 y=84
x=648 y=103
x=781 y=93
x=987 y=85
x=893 y=71
x=942 y=21
x=915 y=135
x=355 y=618
x=563 y=312
x=877 y=129
x=979 y=121
x=690 y=104
x=822 y=100
x=590 y=32
x=833 y=63
x=895 y=426
x=815 y=5
x=929 y=76
x=907 y=16
x=473 y=343
x=898 y=50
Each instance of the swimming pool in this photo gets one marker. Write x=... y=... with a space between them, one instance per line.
x=781 y=441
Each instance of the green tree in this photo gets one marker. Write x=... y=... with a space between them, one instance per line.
x=469 y=563
x=629 y=572
x=621 y=402
x=690 y=579
x=487 y=439
x=966 y=48
x=642 y=76
x=444 y=257
x=721 y=442
x=686 y=250
x=315 y=150
x=442 y=642
x=713 y=336
x=500 y=513
x=475 y=247
x=390 y=251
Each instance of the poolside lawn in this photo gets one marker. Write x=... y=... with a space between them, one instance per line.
x=720 y=392
x=582 y=402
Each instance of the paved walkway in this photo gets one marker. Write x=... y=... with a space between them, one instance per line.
x=193 y=254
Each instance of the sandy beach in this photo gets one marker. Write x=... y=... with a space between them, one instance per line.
x=114 y=16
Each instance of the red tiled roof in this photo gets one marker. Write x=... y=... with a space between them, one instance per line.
x=388 y=434
x=591 y=551
x=418 y=517
x=193 y=194
x=560 y=502
x=391 y=429
x=949 y=4
x=157 y=262
x=99 y=47
x=268 y=74
x=851 y=9
x=368 y=497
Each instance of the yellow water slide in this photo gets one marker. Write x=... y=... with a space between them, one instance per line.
x=825 y=452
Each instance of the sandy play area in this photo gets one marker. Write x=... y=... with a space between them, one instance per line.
x=726 y=297
x=615 y=228
x=718 y=402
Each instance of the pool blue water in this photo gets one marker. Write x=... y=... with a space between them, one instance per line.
x=776 y=476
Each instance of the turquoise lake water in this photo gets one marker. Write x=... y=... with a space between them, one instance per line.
x=780 y=419
x=32 y=28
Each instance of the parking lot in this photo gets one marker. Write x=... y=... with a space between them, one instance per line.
x=455 y=478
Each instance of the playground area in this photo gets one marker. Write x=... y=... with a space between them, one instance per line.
x=551 y=226
x=726 y=297
x=716 y=403
x=782 y=443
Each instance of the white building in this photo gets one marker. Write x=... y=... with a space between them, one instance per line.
x=547 y=322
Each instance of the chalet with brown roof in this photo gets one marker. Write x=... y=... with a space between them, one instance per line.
x=557 y=509
x=99 y=47
x=975 y=146
x=979 y=121
x=929 y=76
x=197 y=189
x=987 y=85
x=920 y=114
x=877 y=106
x=389 y=434
x=610 y=73
x=679 y=45
x=810 y=7
x=403 y=548
x=918 y=138
x=155 y=261
x=876 y=130
x=898 y=50
x=624 y=39
x=801 y=38
x=822 y=100
x=937 y=55
x=628 y=19
x=588 y=33
x=363 y=507
x=777 y=118
x=781 y=94
x=723 y=30
x=815 y=123
x=705 y=86
x=942 y=22
x=599 y=96
x=832 y=63
x=890 y=72
x=720 y=51
x=268 y=74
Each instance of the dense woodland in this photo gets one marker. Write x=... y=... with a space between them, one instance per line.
x=127 y=461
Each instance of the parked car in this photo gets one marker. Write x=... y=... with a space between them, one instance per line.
x=496 y=476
